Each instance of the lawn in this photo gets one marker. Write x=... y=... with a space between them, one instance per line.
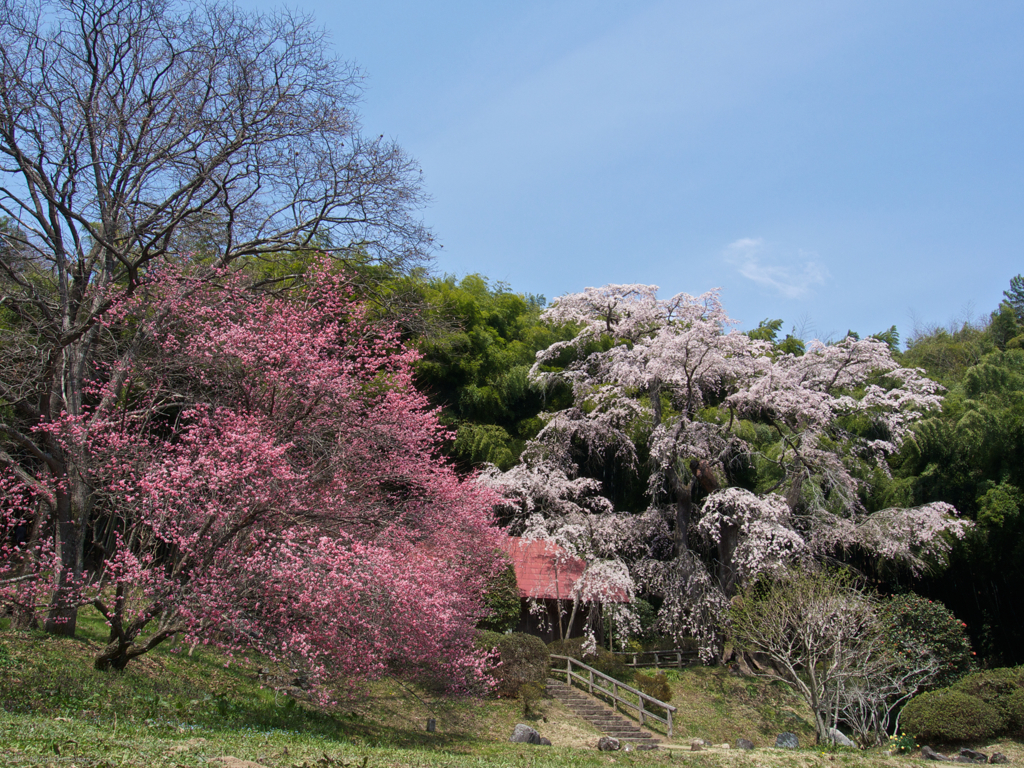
x=188 y=707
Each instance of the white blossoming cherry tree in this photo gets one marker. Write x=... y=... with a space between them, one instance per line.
x=753 y=457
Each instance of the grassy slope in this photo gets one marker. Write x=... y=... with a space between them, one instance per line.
x=174 y=709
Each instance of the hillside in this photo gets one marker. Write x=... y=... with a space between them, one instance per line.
x=175 y=708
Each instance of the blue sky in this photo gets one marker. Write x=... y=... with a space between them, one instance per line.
x=835 y=164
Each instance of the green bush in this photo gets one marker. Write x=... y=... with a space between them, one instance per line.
x=530 y=694
x=949 y=716
x=914 y=624
x=502 y=601
x=1013 y=712
x=572 y=648
x=654 y=685
x=1001 y=688
x=602 y=660
x=524 y=659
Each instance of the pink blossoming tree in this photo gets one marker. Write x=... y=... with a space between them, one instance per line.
x=266 y=477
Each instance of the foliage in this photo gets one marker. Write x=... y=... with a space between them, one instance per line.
x=655 y=685
x=1013 y=710
x=972 y=455
x=530 y=694
x=694 y=458
x=1001 y=688
x=521 y=659
x=1015 y=296
x=600 y=659
x=477 y=347
x=914 y=625
x=902 y=743
x=946 y=354
x=271 y=482
x=949 y=716
x=645 y=634
x=768 y=330
x=502 y=602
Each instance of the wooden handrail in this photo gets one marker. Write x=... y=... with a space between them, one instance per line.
x=613 y=692
x=676 y=658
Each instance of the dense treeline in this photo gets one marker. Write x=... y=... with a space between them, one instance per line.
x=972 y=455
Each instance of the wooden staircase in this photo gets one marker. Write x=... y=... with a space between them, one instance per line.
x=601 y=716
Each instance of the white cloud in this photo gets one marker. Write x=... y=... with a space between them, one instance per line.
x=790 y=276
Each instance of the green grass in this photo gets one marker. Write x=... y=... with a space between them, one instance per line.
x=172 y=708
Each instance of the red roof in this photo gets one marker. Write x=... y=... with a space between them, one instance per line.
x=543 y=570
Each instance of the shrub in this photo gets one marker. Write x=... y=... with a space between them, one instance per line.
x=524 y=659
x=572 y=648
x=1013 y=712
x=654 y=685
x=502 y=601
x=949 y=716
x=1001 y=688
x=914 y=624
x=530 y=694
x=601 y=659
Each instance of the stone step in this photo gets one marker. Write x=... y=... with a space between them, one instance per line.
x=600 y=716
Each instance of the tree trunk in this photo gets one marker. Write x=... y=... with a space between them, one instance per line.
x=73 y=494
x=684 y=510
x=728 y=538
x=73 y=503
x=655 y=394
x=114 y=657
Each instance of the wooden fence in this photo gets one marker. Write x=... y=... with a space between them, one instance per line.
x=591 y=679
x=660 y=659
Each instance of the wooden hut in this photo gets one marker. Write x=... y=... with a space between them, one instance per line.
x=546 y=575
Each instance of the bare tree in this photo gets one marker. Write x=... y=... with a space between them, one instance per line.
x=819 y=631
x=870 y=702
x=138 y=131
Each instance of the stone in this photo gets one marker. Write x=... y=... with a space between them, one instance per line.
x=998 y=758
x=185 y=746
x=744 y=744
x=545 y=741
x=727 y=745
x=697 y=745
x=970 y=756
x=608 y=744
x=930 y=754
x=787 y=741
x=840 y=738
x=524 y=734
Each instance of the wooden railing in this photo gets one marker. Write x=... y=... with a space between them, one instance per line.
x=591 y=679
x=659 y=659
